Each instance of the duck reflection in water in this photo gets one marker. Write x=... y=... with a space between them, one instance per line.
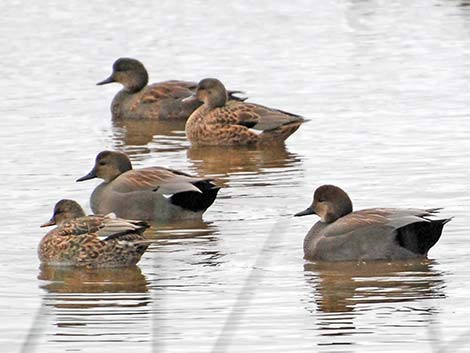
x=114 y=301
x=195 y=236
x=167 y=135
x=106 y=280
x=343 y=291
x=341 y=286
x=224 y=162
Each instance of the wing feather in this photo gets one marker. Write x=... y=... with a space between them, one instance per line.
x=392 y=218
x=253 y=116
x=159 y=179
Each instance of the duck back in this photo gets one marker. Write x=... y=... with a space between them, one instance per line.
x=156 y=101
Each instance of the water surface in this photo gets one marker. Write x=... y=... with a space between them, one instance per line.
x=386 y=88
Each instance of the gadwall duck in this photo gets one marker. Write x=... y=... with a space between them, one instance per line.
x=222 y=122
x=153 y=193
x=91 y=241
x=369 y=234
x=162 y=100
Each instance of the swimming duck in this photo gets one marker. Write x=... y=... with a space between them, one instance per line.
x=369 y=234
x=162 y=100
x=153 y=193
x=222 y=122
x=91 y=241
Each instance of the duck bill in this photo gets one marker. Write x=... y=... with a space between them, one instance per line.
x=110 y=79
x=90 y=175
x=49 y=223
x=305 y=212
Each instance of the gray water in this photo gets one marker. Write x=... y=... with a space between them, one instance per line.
x=386 y=86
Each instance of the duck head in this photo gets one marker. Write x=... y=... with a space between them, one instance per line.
x=131 y=73
x=65 y=210
x=108 y=166
x=329 y=203
x=211 y=92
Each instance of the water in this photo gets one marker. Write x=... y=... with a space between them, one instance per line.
x=386 y=88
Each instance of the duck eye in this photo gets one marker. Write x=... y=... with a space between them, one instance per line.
x=102 y=163
x=120 y=68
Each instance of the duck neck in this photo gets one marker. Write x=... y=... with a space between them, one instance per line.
x=333 y=211
x=137 y=82
x=330 y=217
x=338 y=211
x=113 y=176
x=218 y=100
x=123 y=165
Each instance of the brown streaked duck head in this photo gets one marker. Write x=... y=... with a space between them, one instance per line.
x=65 y=210
x=108 y=166
x=211 y=92
x=131 y=73
x=329 y=203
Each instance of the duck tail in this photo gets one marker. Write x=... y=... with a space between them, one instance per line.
x=281 y=133
x=195 y=201
x=446 y=220
x=419 y=237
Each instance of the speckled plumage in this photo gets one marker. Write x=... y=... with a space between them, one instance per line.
x=369 y=234
x=152 y=193
x=222 y=122
x=91 y=241
x=138 y=100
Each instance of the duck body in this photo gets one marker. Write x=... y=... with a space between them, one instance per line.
x=139 y=100
x=240 y=123
x=153 y=193
x=220 y=121
x=374 y=234
x=369 y=234
x=92 y=241
x=161 y=101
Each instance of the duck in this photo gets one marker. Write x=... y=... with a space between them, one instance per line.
x=91 y=241
x=368 y=234
x=152 y=193
x=220 y=121
x=139 y=100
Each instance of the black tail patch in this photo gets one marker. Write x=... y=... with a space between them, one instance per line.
x=421 y=236
x=195 y=201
